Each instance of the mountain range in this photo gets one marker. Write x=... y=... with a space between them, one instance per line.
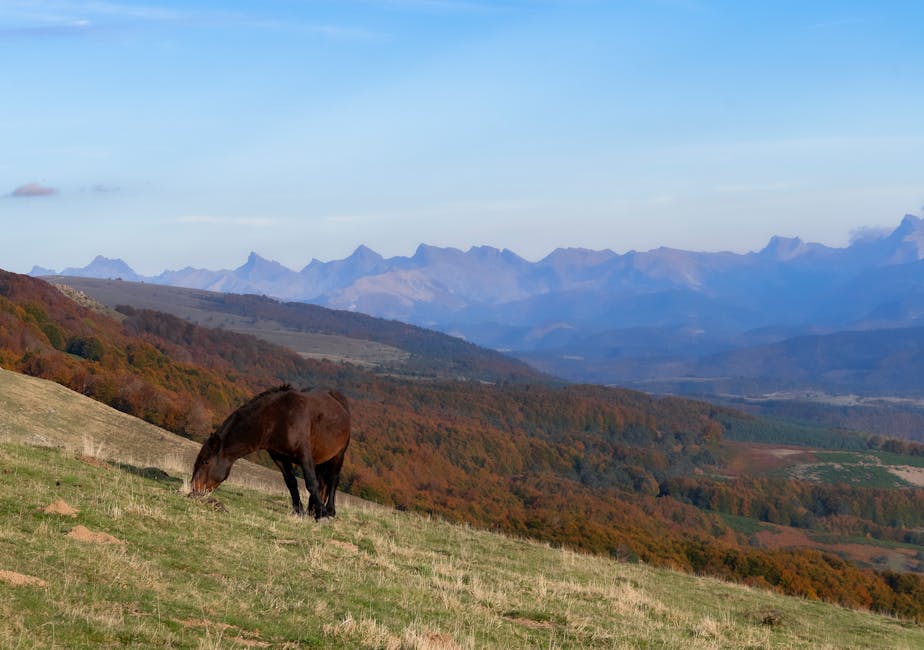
x=595 y=313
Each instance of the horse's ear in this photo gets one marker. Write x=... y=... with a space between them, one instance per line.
x=213 y=444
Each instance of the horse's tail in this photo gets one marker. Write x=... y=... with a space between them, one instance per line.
x=341 y=398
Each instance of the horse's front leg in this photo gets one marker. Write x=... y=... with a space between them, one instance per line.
x=288 y=475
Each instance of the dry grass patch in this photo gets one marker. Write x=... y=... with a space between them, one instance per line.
x=60 y=507
x=84 y=534
x=20 y=579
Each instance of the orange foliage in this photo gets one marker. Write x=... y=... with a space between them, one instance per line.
x=573 y=465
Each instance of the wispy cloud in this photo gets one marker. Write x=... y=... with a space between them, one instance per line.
x=70 y=28
x=57 y=11
x=253 y=222
x=457 y=6
x=67 y=18
x=832 y=24
x=868 y=233
x=32 y=190
x=750 y=188
x=49 y=19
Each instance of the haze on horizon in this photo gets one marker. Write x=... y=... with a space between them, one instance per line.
x=171 y=134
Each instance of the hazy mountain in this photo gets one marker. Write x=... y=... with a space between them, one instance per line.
x=103 y=267
x=601 y=306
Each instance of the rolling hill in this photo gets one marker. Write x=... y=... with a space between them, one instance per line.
x=101 y=549
x=609 y=471
x=316 y=332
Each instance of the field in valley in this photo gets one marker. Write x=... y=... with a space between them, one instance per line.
x=871 y=468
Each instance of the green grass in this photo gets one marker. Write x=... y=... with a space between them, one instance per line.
x=866 y=469
x=858 y=474
x=745 y=525
x=889 y=458
x=190 y=575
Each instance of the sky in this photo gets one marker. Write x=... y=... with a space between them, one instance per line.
x=173 y=134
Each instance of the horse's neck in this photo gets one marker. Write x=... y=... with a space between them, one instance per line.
x=235 y=446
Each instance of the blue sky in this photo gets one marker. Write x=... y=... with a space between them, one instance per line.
x=190 y=133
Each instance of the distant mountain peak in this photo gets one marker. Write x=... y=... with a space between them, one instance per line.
x=105 y=268
x=364 y=251
x=783 y=248
x=910 y=222
x=907 y=240
x=261 y=270
x=38 y=271
x=429 y=254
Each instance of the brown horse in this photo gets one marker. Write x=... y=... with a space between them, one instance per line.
x=309 y=428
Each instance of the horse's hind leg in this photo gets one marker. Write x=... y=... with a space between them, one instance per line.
x=311 y=483
x=329 y=476
x=288 y=475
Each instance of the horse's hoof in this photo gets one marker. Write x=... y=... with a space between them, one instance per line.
x=213 y=503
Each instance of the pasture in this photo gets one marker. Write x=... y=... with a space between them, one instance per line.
x=100 y=549
x=112 y=554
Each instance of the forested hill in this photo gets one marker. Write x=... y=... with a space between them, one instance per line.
x=573 y=465
x=399 y=348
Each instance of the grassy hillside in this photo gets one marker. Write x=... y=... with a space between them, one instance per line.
x=123 y=558
x=43 y=413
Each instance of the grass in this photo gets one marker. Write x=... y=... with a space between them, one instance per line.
x=185 y=574
x=189 y=575
x=40 y=412
x=746 y=525
x=866 y=469
x=197 y=306
x=859 y=474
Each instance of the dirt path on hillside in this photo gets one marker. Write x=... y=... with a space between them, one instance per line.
x=755 y=458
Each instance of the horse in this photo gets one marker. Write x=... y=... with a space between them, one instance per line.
x=309 y=428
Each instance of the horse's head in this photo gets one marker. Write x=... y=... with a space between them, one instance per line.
x=211 y=468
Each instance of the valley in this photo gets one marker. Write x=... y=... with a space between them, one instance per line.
x=607 y=471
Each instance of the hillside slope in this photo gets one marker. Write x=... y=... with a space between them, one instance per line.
x=317 y=332
x=42 y=413
x=137 y=563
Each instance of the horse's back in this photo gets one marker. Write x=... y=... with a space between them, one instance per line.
x=330 y=422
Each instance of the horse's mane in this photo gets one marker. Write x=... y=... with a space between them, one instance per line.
x=340 y=397
x=245 y=409
x=269 y=391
